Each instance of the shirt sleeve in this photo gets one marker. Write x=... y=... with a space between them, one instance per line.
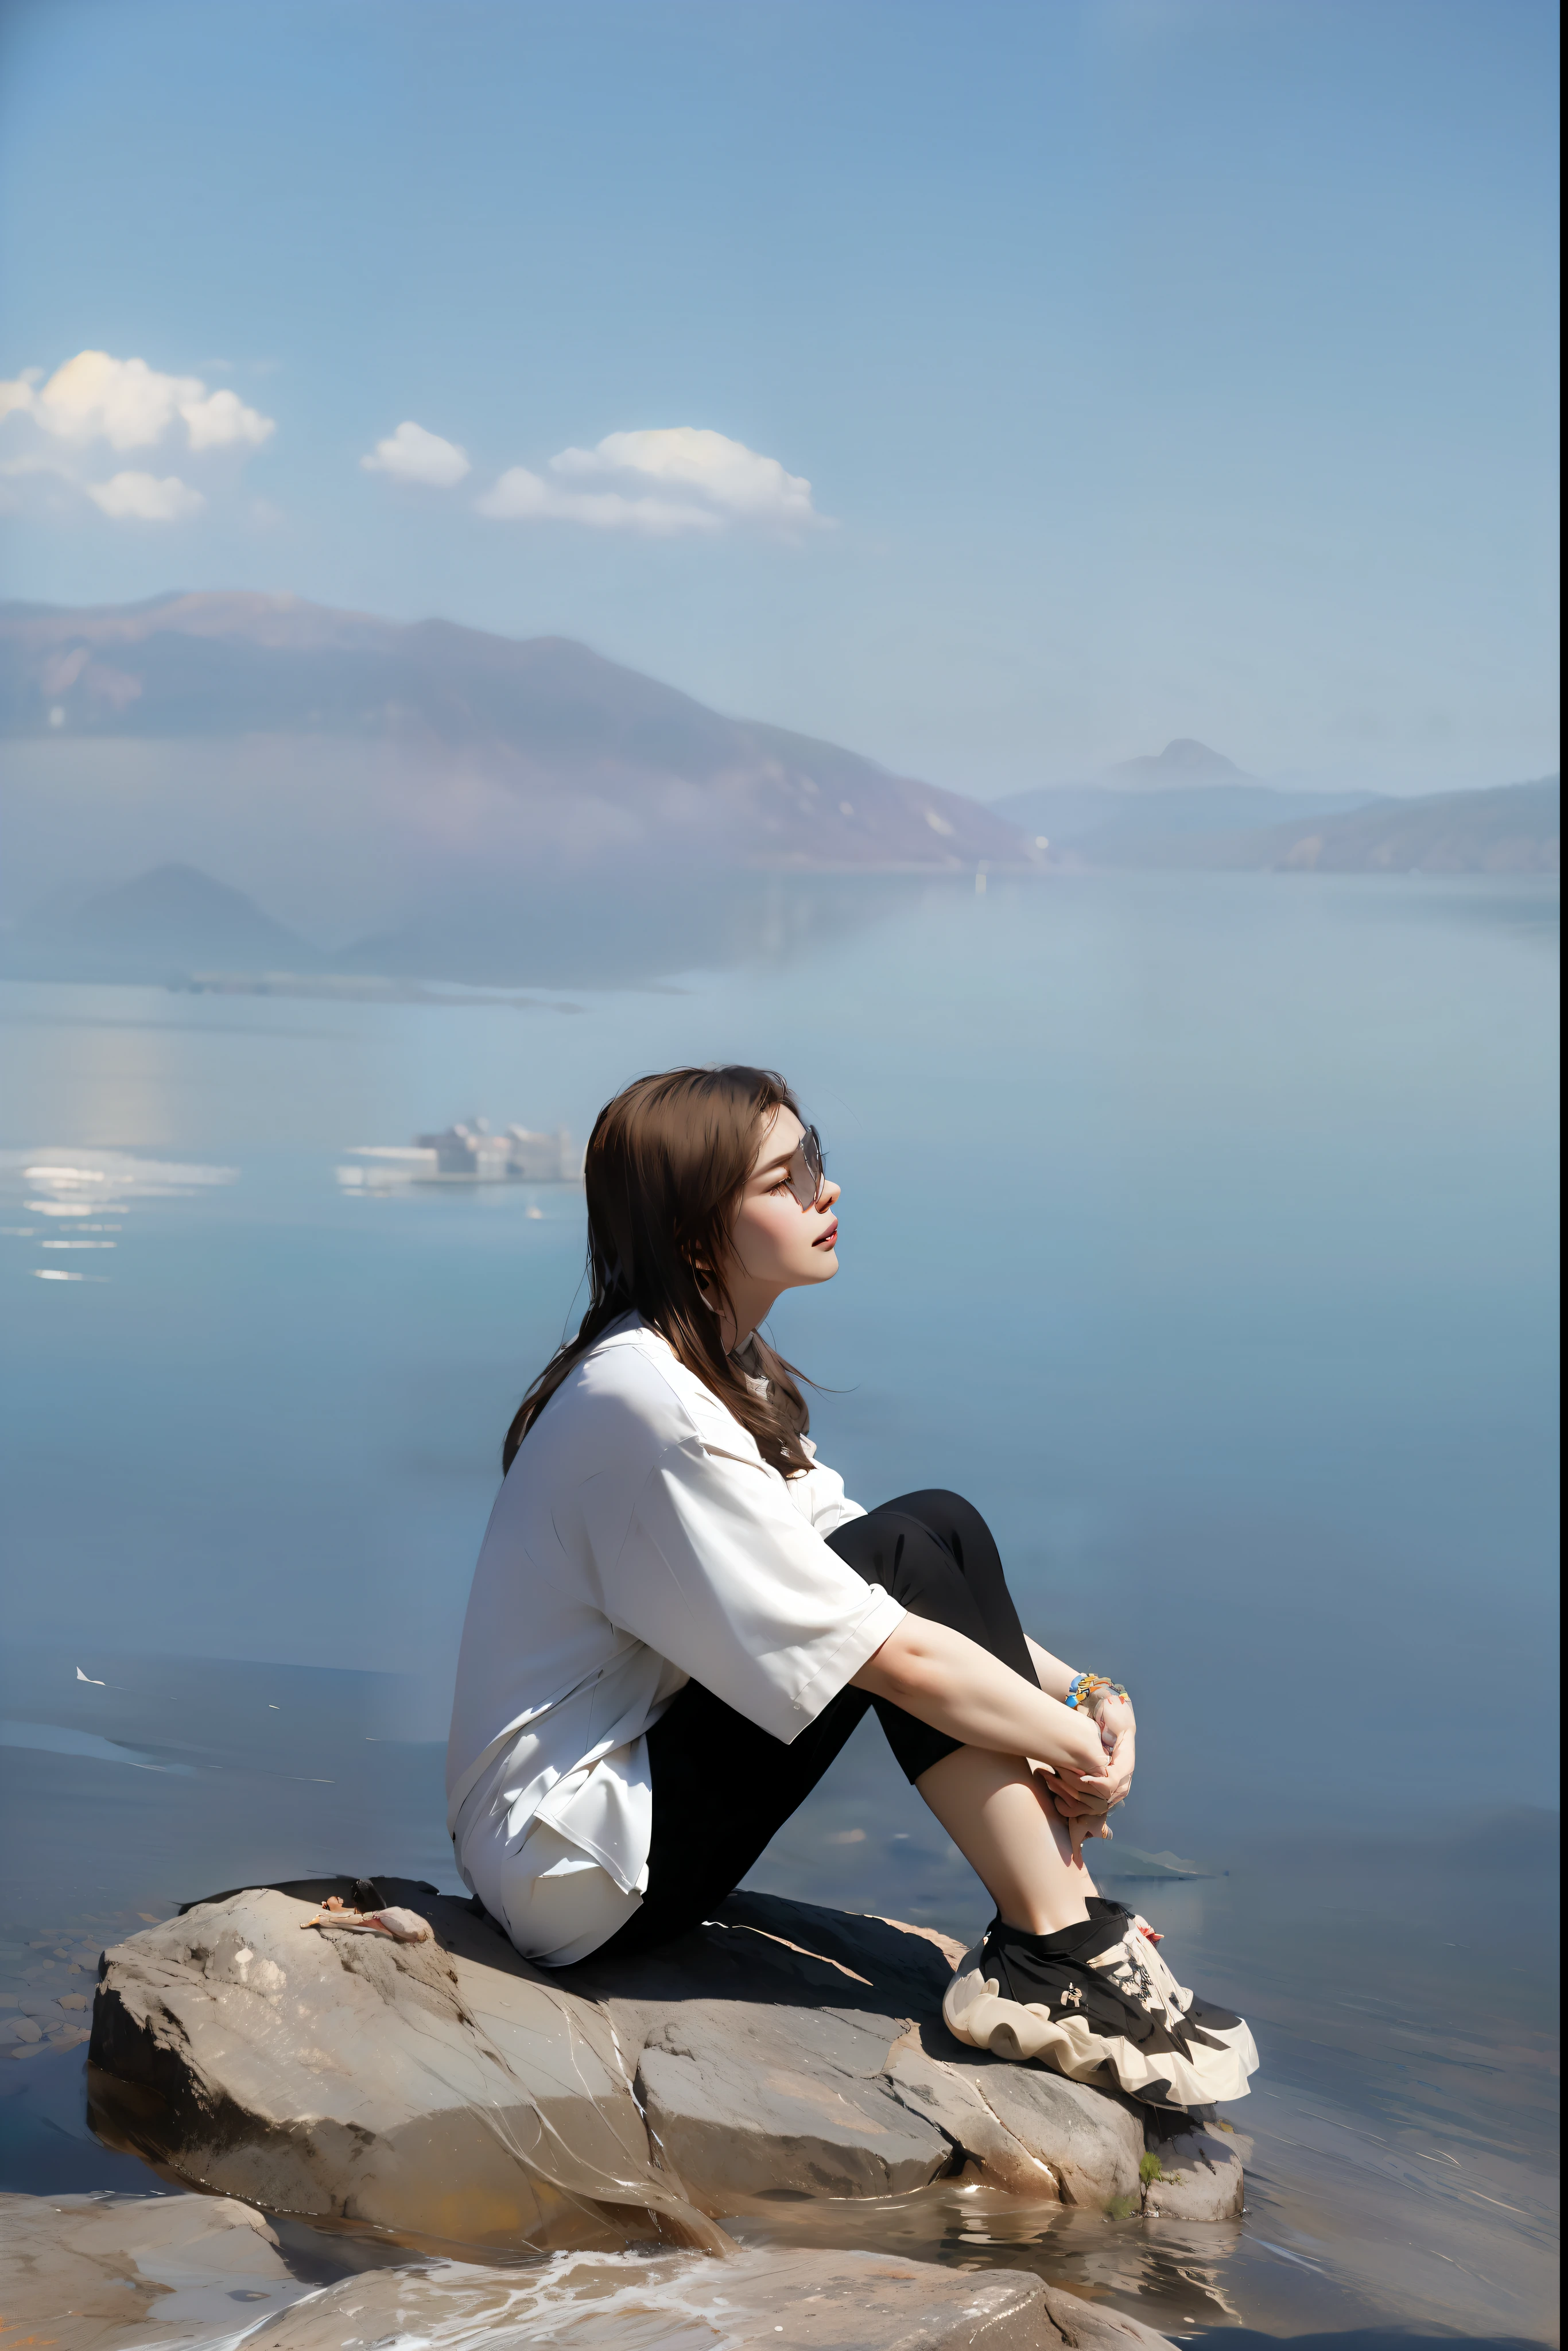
x=720 y=1574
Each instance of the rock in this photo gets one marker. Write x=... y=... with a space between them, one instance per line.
x=348 y=2077
x=800 y=2101
x=1200 y=2175
x=451 y=2092
x=184 y=2273
x=79 y=2273
x=1092 y=2139
x=956 y=2105
x=787 y=2300
x=1013 y=2126
x=1095 y=2326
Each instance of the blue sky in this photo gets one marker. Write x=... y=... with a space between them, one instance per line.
x=1156 y=367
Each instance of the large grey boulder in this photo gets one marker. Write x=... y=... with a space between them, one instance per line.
x=415 y=2088
x=766 y=1970
x=98 y=2272
x=451 y=2092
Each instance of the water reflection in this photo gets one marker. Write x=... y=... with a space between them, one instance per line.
x=79 y=1200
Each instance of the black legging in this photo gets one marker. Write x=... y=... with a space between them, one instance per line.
x=723 y=1789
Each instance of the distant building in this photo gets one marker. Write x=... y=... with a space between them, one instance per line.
x=543 y=1158
x=468 y=1153
x=468 y=1148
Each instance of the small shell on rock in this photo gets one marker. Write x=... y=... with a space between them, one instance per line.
x=406 y=1925
x=402 y=1926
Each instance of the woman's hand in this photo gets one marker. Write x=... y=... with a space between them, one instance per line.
x=1103 y=1791
x=1118 y=1728
x=1113 y=1716
x=1084 y=1799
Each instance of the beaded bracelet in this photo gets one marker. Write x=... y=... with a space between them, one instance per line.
x=1084 y=1689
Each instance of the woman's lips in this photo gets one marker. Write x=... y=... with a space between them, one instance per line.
x=826 y=1240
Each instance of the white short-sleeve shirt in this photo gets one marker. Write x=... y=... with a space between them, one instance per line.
x=638 y=1541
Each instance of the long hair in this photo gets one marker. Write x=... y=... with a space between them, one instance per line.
x=665 y=1171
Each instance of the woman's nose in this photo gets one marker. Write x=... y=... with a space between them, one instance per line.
x=828 y=1195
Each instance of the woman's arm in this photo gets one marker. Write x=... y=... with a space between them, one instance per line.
x=946 y=1680
x=1054 y=1677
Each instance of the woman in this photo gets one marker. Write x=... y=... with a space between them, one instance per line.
x=678 y=1618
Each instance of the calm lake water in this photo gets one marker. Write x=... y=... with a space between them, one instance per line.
x=1202 y=1229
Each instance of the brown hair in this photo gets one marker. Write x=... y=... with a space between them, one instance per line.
x=665 y=1171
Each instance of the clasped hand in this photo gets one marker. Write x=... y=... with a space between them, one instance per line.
x=1083 y=1799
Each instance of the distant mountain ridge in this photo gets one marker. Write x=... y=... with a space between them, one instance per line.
x=1089 y=819
x=1510 y=829
x=1185 y=789
x=1250 y=828
x=423 y=801
x=478 y=748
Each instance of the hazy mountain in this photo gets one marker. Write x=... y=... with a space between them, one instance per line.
x=1185 y=789
x=1177 y=769
x=169 y=922
x=1091 y=818
x=361 y=775
x=1511 y=829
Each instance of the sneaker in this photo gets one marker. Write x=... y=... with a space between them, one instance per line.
x=1097 y=2002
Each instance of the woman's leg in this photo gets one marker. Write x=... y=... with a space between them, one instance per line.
x=723 y=1788
x=1013 y=1839
x=722 y=1791
x=936 y=1555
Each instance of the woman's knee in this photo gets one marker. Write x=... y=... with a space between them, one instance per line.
x=936 y=1555
x=913 y=1561
x=954 y=1520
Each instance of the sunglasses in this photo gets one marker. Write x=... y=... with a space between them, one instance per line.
x=805 y=1175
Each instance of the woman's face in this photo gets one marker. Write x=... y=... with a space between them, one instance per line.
x=775 y=1244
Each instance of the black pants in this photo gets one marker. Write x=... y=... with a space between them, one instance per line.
x=722 y=1788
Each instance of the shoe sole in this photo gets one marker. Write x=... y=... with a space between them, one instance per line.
x=976 y=2013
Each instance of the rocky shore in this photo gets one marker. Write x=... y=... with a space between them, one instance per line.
x=190 y=2273
x=609 y=2127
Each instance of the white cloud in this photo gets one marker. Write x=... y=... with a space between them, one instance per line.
x=522 y=497
x=412 y=454
x=18 y=393
x=95 y=397
x=142 y=498
x=661 y=484
x=220 y=420
x=65 y=427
